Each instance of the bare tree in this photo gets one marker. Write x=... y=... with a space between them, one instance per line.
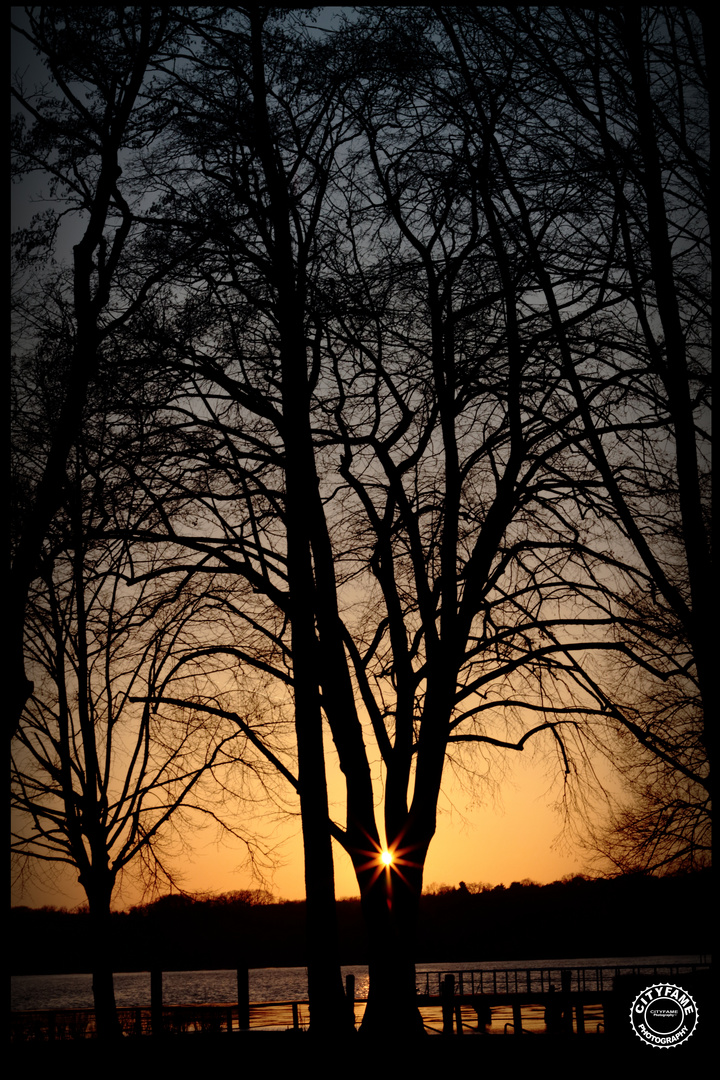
x=364 y=335
x=423 y=401
x=260 y=130
x=102 y=778
x=629 y=137
x=87 y=132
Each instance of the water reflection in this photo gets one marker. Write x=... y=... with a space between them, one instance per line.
x=132 y=989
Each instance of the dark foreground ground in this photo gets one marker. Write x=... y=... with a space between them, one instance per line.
x=268 y=1055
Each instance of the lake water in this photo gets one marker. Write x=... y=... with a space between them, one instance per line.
x=132 y=989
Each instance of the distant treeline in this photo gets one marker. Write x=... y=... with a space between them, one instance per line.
x=579 y=917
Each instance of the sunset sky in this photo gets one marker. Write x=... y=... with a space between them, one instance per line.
x=513 y=838
x=319 y=422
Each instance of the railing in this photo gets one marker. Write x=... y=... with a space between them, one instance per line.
x=70 y=1024
x=64 y=1024
x=540 y=980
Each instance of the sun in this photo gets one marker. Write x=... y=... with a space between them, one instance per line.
x=376 y=859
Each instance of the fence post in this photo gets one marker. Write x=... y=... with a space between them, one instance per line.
x=580 y=1015
x=448 y=991
x=565 y=985
x=350 y=995
x=517 y=1018
x=156 y=1002
x=243 y=988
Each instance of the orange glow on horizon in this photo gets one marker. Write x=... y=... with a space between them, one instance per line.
x=512 y=839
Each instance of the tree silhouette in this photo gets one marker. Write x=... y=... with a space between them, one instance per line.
x=631 y=92
x=434 y=429
x=100 y=781
x=90 y=150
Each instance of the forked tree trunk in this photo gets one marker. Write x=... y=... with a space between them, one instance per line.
x=390 y=909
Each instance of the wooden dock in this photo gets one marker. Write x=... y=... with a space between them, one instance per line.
x=523 y=1001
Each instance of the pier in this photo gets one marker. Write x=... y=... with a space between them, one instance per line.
x=572 y=1000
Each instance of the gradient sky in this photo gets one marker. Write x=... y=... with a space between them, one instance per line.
x=507 y=839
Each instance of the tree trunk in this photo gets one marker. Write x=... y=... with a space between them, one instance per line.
x=328 y=1006
x=390 y=906
x=106 y=1017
